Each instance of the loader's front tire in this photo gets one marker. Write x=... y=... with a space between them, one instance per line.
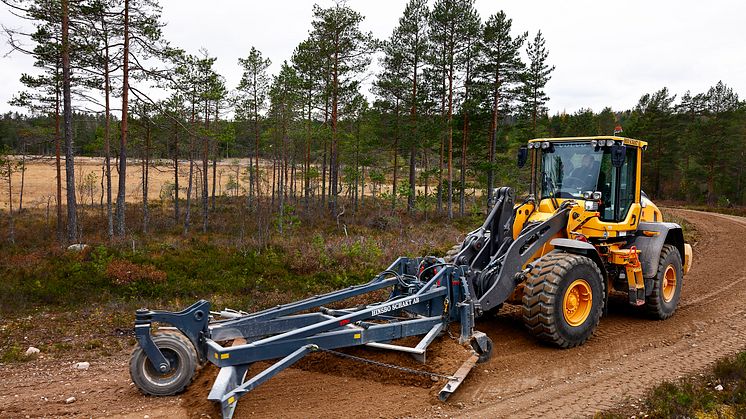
x=563 y=299
x=664 y=298
x=180 y=354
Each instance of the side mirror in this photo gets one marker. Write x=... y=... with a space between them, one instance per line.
x=522 y=156
x=618 y=155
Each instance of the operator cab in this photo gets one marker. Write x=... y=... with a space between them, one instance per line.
x=602 y=169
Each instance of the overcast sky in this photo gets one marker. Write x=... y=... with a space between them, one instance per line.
x=605 y=53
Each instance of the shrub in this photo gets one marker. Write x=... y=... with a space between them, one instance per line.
x=124 y=272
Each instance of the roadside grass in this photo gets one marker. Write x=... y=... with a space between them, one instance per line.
x=82 y=304
x=719 y=393
x=720 y=209
x=690 y=231
x=169 y=269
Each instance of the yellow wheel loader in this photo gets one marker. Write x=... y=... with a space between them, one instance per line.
x=586 y=228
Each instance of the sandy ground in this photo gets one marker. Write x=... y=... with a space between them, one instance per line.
x=524 y=379
x=40 y=182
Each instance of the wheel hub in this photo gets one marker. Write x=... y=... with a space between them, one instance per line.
x=577 y=302
x=668 y=287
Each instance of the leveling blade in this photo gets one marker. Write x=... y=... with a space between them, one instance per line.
x=458 y=377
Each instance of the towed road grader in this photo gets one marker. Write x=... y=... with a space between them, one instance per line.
x=584 y=229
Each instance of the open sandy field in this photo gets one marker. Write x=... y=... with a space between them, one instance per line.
x=39 y=180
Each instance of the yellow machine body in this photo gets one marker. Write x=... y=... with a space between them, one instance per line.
x=586 y=224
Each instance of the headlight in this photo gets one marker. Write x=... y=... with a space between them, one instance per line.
x=545 y=145
x=609 y=143
x=591 y=206
x=532 y=145
x=594 y=143
x=596 y=196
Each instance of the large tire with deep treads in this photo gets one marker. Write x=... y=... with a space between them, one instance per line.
x=563 y=299
x=179 y=352
x=666 y=292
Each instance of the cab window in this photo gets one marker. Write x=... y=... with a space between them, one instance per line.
x=617 y=186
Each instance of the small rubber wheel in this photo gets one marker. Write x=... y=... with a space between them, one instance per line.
x=563 y=299
x=180 y=354
x=666 y=293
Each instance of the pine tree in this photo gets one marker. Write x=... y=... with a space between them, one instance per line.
x=499 y=70
x=253 y=90
x=719 y=141
x=285 y=98
x=535 y=80
x=392 y=88
x=654 y=122
x=472 y=32
x=410 y=41
x=141 y=39
x=309 y=67
x=450 y=26
x=348 y=48
x=44 y=94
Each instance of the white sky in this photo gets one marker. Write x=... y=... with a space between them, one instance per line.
x=606 y=54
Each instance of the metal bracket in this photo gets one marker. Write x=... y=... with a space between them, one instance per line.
x=192 y=322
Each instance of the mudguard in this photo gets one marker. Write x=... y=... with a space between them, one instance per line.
x=649 y=241
x=581 y=248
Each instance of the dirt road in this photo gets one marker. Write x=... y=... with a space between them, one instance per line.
x=628 y=355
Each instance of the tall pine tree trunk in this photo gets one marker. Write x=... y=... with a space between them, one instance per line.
x=145 y=179
x=413 y=145
x=188 y=215
x=23 y=176
x=334 y=162
x=72 y=217
x=450 y=139
x=307 y=180
x=493 y=136
x=176 y=173
x=11 y=223
x=396 y=157
x=107 y=132
x=205 y=168
x=214 y=159
x=121 y=192
x=462 y=179
x=58 y=152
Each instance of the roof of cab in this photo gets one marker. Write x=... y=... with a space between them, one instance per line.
x=624 y=140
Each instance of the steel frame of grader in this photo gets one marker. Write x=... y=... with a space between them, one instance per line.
x=414 y=308
x=421 y=303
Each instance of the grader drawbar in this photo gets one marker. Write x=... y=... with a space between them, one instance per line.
x=427 y=295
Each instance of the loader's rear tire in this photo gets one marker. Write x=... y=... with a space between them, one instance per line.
x=563 y=299
x=180 y=354
x=664 y=298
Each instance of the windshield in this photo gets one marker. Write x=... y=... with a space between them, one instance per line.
x=570 y=169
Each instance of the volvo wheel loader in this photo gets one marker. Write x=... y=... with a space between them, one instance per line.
x=585 y=228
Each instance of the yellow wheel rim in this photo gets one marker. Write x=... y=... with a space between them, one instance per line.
x=669 y=283
x=576 y=306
